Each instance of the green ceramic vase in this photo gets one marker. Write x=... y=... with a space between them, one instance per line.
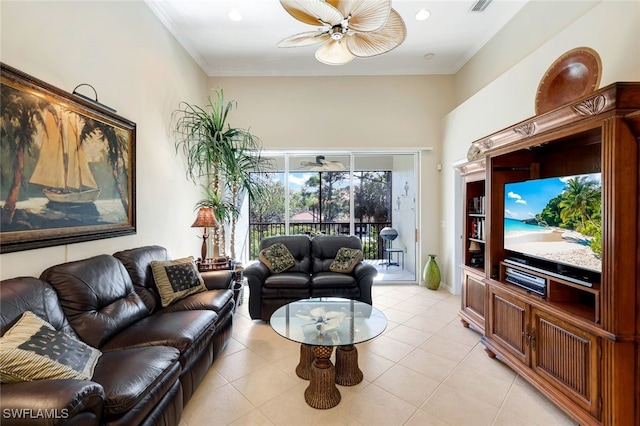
x=431 y=273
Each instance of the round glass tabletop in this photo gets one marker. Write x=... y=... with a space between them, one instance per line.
x=328 y=321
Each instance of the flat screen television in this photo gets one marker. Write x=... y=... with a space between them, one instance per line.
x=556 y=222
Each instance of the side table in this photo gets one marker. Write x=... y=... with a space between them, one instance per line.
x=320 y=325
x=400 y=253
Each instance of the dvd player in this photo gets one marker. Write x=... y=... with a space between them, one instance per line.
x=529 y=282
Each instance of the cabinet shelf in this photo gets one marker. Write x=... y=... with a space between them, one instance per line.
x=576 y=299
x=473 y=254
x=477 y=240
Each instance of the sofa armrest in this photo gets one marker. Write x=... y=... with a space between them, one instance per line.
x=364 y=274
x=256 y=274
x=51 y=402
x=218 y=280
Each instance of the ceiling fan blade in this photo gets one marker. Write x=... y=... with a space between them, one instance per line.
x=334 y=53
x=335 y=166
x=366 y=15
x=312 y=12
x=387 y=38
x=305 y=39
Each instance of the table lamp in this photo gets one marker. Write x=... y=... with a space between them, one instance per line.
x=474 y=247
x=205 y=219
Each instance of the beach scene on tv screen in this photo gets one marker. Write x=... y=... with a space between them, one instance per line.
x=557 y=219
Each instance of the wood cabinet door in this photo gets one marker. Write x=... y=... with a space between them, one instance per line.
x=473 y=298
x=567 y=357
x=508 y=323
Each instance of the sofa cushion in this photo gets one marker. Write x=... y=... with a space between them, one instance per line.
x=333 y=280
x=97 y=297
x=218 y=301
x=137 y=262
x=19 y=295
x=277 y=258
x=294 y=280
x=129 y=376
x=33 y=350
x=187 y=331
x=176 y=279
x=346 y=259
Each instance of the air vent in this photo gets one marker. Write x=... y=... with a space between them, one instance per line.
x=480 y=5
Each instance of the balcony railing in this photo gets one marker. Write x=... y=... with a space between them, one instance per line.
x=368 y=232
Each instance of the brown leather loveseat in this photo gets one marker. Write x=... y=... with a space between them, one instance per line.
x=309 y=276
x=153 y=358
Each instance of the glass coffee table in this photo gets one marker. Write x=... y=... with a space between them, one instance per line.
x=319 y=325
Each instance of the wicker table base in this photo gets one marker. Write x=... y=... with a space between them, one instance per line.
x=322 y=392
x=347 y=371
x=303 y=370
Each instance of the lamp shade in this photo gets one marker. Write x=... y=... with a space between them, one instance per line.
x=474 y=247
x=205 y=219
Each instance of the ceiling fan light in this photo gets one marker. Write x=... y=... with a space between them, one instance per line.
x=234 y=15
x=422 y=15
x=334 y=53
x=337 y=32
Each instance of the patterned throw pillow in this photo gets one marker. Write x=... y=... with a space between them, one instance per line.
x=346 y=259
x=176 y=279
x=277 y=257
x=33 y=350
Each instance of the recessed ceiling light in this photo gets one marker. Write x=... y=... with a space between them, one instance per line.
x=234 y=15
x=429 y=56
x=422 y=15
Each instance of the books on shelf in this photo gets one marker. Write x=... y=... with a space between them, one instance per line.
x=476 y=205
x=476 y=228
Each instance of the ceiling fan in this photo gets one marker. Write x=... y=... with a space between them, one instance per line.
x=349 y=28
x=322 y=165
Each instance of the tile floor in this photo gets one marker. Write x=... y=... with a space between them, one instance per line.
x=425 y=369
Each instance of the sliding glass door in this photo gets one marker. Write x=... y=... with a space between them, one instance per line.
x=342 y=194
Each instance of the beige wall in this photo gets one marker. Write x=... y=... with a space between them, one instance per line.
x=534 y=25
x=139 y=69
x=377 y=113
x=612 y=28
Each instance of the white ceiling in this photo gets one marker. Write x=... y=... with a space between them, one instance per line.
x=248 y=48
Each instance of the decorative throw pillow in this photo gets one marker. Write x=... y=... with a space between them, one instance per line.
x=33 y=350
x=277 y=257
x=177 y=279
x=346 y=259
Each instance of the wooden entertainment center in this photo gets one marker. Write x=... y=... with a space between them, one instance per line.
x=577 y=340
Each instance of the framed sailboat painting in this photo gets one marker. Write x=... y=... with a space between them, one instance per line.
x=67 y=167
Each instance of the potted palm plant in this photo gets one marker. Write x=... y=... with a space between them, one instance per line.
x=223 y=157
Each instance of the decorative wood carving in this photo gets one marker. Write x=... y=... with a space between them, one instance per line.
x=527 y=129
x=487 y=143
x=591 y=106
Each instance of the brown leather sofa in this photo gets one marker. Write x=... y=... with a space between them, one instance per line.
x=309 y=277
x=153 y=358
